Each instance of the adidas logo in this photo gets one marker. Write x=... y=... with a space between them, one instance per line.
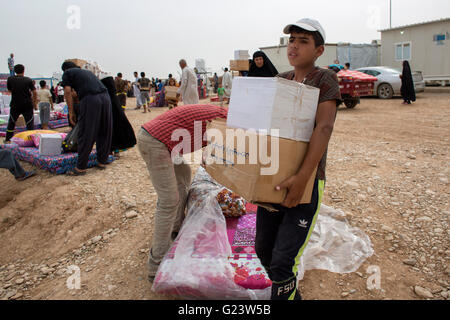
x=303 y=223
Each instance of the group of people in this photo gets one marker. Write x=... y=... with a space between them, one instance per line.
x=93 y=106
x=144 y=89
x=280 y=239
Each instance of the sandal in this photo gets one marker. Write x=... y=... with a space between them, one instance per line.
x=76 y=172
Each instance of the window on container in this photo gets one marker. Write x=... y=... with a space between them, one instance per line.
x=406 y=51
x=398 y=52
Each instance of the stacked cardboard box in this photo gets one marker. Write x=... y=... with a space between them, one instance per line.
x=241 y=55
x=239 y=65
x=247 y=161
x=79 y=62
x=171 y=92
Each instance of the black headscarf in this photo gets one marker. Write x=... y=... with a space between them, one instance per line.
x=407 y=89
x=267 y=70
x=68 y=65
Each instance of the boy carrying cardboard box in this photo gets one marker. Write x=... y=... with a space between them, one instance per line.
x=282 y=236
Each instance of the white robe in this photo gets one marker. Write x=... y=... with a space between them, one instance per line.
x=227 y=83
x=188 y=88
x=137 y=93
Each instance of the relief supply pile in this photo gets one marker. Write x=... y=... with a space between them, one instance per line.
x=201 y=263
x=247 y=157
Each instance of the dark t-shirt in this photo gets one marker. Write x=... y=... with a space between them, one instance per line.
x=84 y=82
x=20 y=88
x=145 y=84
x=327 y=81
x=120 y=85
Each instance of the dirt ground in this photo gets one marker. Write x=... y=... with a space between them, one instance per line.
x=387 y=170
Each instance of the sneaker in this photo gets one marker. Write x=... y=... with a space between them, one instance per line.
x=151 y=279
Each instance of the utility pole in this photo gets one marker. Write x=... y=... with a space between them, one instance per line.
x=390 y=14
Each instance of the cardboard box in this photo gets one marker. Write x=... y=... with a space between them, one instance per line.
x=78 y=62
x=50 y=145
x=274 y=103
x=254 y=180
x=239 y=65
x=171 y=92
x=241 y=55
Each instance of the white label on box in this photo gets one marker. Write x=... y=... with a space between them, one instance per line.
x=273 y=103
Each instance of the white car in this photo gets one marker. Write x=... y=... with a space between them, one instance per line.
x=389 y=81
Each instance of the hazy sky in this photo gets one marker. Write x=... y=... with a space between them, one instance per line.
x=151 y=36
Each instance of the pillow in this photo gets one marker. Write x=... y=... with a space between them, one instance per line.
x=37 y=138
x=233 y=206
x=23 y=139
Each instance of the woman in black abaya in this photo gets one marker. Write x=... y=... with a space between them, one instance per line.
x=261 y=66
x=407 y=89
x=123 y=133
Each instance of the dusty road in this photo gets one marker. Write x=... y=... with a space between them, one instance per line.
x=388 y=170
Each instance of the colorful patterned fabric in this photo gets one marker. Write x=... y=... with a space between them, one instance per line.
x=241 y=234
x=23 y=139
x=55 y=164
x=249 y=272
x=52 y=124
x=160 y=99
x=355 y=75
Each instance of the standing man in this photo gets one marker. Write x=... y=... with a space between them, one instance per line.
x=136 y=91
x=144 y=87
x=22 y=89
x=227 y=83
x=170 y=176
x=94 y=115
x=121 y=89
x=188 y=89
x=11 y=65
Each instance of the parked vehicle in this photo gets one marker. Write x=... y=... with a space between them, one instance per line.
x=389 y=81
x=354 y=85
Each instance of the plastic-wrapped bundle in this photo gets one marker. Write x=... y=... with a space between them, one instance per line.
x=197 y=265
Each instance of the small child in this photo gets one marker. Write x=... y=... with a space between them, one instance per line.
x=221 y=94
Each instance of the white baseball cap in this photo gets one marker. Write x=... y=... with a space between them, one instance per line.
x=307 y=24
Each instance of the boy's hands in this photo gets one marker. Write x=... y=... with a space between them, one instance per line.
x=295 y=186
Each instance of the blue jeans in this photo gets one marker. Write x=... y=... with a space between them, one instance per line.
x=8 y=161
x=11 y=73
x=44 y=112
